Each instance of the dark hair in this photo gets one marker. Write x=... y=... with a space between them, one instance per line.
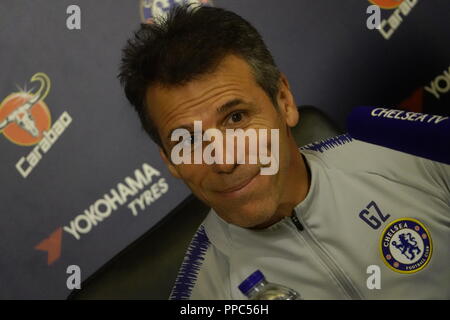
x=189 y=42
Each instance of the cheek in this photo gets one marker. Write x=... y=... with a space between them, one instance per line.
x=280 y=153
x=193 y=175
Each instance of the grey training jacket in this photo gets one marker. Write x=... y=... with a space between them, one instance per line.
x=374 y=225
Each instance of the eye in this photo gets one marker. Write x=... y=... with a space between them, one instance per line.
x=193 y=141
x=235 y=117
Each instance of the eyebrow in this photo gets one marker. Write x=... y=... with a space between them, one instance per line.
x=230 y=104
x=220 y=110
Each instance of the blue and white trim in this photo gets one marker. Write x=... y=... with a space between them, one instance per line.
x=187 y=276
x=329 y=143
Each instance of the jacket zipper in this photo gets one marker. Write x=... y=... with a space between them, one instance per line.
x=328 y=261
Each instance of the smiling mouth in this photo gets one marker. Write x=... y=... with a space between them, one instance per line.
x=238 y=187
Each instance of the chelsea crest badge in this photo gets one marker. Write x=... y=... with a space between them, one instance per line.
x=405 y=245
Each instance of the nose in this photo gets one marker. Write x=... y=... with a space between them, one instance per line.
x=224 y=168
x=225 y=154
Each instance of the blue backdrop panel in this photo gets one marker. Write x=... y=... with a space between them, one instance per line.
x=102 y=145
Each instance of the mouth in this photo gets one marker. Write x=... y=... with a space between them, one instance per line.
x=239 y=188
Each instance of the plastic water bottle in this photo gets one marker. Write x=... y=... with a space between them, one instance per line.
x=256 y=287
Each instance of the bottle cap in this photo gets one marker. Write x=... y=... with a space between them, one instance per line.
x=251 y=281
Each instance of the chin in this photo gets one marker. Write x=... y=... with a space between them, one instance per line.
x=249 y=215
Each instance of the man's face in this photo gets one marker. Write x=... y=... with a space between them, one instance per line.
x=228 y=98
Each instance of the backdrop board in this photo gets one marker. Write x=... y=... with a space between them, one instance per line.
x=94 y=182
x=80 y=180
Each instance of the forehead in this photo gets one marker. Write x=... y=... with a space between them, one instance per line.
x=233 y=78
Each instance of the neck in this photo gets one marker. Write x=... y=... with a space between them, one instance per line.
x=296 y=187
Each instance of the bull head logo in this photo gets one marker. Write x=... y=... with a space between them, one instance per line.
x=22 y=115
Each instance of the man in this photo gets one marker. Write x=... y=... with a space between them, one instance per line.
x=332 y=211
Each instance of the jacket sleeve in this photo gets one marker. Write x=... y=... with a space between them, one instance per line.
x=203 y=274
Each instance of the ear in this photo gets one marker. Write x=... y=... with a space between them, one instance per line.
x=286 y=102
x=173 y=170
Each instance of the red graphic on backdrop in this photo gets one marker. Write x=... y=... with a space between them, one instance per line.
x=25 y=116
x=52 y=245
x=387 y=4
x=414 y=102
